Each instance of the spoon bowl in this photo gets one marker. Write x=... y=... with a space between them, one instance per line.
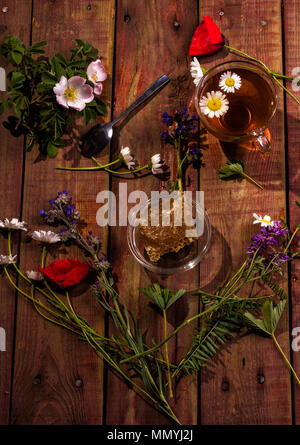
x=96 y=139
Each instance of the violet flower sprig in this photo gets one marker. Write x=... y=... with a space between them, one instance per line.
x=268 y=245
x=181 y=133
x=250 y=271
x=63 y=212
x=61 y=312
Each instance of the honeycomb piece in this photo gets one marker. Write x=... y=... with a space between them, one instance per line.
x=159 y=240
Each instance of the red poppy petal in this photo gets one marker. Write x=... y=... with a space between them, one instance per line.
x=207 y=38
x=49 y=276
x=213 y=30
x=66 y=272
x=76 y=275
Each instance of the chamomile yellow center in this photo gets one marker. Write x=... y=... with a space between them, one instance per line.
x=71 y=93
x=266 y=221
x=214 y=104
x=230 y=82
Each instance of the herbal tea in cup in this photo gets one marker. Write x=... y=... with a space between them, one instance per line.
x=235 y=102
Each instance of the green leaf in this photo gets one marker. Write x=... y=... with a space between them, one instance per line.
x=255 y=323
x=232 y=168
x=101 y=107
x=271 y=316
x=298 y=203
x=57 y=69
x=162 y=297
x=38 y=44
x=58 y=142
x=277 y=312
x=17 y=57
x=207 y=341
x=79 y=42
x=51 y=150
x=174 y=296
x=276 y=288
x=267 y=311
x=49 y=78
x=17 y=79
x=61 y=58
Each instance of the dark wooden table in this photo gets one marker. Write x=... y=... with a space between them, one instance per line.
x=46 y=375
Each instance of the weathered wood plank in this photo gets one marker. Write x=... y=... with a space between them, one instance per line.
x=152 y=39
x=252 y=384
x=16 y=20
x=292 y=60
x=58 y=379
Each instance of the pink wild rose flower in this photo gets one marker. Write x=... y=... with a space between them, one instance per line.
x=74 y=93
x=96 y=73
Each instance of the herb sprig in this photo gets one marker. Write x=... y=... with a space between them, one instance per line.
x=232 y=169
x=36 y=112
x=224 y=313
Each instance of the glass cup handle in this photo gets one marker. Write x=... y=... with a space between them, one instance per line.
x=261 y=142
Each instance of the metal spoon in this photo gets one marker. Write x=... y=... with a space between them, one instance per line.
x=100 y=135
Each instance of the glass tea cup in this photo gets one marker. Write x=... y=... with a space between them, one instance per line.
x=247 y=109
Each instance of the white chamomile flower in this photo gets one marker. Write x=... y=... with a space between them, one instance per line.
x=34 y=275
x=196 y=71
x=157 y=164
x=7 y=259
x=13 y=224
x=265 y=221
x=128 y=158
x=46 y=237
x=229 y=82
x=214 y=104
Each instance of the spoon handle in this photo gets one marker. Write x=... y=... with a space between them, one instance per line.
x=156 y=86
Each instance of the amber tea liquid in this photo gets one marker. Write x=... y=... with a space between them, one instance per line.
x=250 y=107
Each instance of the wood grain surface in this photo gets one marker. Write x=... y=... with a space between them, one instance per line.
x=251 y=385
x=55 y=378
x=147 y=46
x=17 y=21
x=292 y=61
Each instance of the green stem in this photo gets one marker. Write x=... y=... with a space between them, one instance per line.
x=14 y=264
x=89 y=335
x=247 y=56
x=285 y=358
x=166 y=409
x=183 y=325
x=273 y=74
x=35 y=304
x=99 y=167
x=252 y=180
x=43 y=257
x=291 y=239
x=129 y=172
x=29 y=297
x=167 y=355
x=286 y=90
x=179 y=164
x=283 y=76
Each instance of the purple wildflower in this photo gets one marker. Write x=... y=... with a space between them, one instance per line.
x=278 y=258
x=267 y=240
x=93 y=241
x=166 y=117
x=180 y=126
x=62 y=210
